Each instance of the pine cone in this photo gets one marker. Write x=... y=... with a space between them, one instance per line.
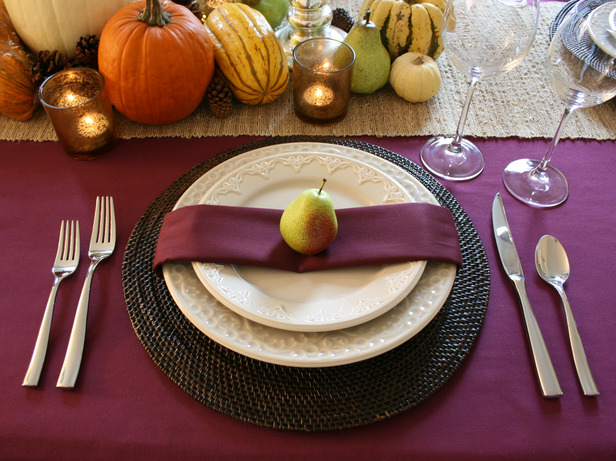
x=47 y=63
x=219 y=96
x=342 y=19
x=192 y=5
x=87 y=51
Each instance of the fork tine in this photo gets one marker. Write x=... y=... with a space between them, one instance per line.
x=61 y=241
x=68 y=241
x=105 y=237
x=112 y=224
x=96 y=225
x=76 y=243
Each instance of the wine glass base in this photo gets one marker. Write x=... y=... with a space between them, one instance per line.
x=537 y=188
x=442 y=161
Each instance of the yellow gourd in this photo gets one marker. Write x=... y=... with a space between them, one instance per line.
x=248 y=53
x=415 y=77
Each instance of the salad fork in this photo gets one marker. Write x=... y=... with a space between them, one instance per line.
x=66 y=262
x=102 y=244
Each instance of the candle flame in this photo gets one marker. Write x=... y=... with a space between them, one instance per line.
x=93 y=125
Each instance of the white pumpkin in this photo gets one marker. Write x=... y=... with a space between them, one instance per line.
x=415 y=77
x=59 y=24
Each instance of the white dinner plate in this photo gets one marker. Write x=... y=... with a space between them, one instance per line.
x=309 y=349
x=313 y=301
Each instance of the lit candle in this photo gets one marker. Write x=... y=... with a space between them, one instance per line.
x=80 y=112
x=70 y=99
x=93 y=125
x=322 y=70
x=319 y=96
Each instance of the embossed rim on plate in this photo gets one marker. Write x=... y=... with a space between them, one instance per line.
x=292 y=398
x=315 y=301
x=309 y=349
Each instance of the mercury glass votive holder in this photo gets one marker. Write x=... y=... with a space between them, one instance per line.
x=80 y=111
x=322 y=70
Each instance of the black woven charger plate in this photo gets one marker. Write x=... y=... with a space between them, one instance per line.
x=306 y=399
x=560 y=17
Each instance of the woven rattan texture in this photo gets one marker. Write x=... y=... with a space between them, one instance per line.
x=303 y=399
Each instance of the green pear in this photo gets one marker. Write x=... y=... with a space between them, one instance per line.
x=372 y=61
x=274 y=10
x=308 y=224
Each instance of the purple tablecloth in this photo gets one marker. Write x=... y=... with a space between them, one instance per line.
x=124 y=407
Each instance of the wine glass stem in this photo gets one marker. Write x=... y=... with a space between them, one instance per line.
x=457 y=139
x=543 y=165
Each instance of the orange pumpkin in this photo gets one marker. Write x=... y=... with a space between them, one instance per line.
x=17 y=92
x=157 y=60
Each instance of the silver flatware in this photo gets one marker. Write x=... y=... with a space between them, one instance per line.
x=553 y=267
x=66 y=262
x=102 y=244
x=510 y=260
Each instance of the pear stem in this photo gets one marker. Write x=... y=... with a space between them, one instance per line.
x=322 y=185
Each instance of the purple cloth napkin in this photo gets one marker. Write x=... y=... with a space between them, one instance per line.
x=369 y=235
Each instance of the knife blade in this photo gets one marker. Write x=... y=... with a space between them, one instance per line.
x=510 y=260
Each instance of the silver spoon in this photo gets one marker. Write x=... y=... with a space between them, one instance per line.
x=553 y=267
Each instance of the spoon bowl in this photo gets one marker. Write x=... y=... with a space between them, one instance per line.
x=552 y=261
x=553 y=267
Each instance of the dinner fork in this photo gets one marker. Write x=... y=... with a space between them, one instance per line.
x=102 y=244
x=66 y=262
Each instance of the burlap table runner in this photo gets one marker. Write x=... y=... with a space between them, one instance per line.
x=520 y=103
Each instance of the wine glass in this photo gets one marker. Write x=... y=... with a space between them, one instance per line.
x=484 y=38
x=581 y=64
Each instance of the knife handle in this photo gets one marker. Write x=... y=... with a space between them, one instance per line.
x=546 y=374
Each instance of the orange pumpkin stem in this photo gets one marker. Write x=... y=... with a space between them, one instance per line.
x=154 y=14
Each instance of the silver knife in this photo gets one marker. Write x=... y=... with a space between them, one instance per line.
x=511 y=263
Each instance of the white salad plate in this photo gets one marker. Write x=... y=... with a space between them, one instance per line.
x=309 y=349
x=313 y=301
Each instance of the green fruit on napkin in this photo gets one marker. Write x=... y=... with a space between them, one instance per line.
x=309 y=223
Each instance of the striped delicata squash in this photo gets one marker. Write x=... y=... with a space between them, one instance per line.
x=408 y=25
x=248 y=53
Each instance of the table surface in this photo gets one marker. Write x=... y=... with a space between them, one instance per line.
x=124 y=407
